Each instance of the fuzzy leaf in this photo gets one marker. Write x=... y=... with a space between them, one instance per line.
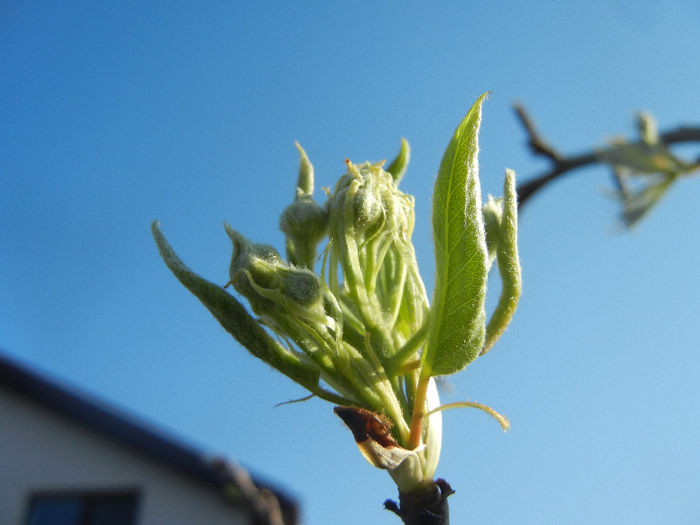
x=457 y=326
x=508 y=264
x=236 y=320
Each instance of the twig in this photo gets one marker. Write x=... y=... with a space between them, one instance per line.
x=537 y=144
x=427 y=505
x=564 y=164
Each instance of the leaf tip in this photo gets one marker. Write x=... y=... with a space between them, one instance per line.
x=510 y=191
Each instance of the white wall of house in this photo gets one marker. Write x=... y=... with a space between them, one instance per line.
x=41 y=451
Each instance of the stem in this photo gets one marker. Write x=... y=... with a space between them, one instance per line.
x=502 y=420
x=403 y=354
x=427 y=505
x=418 y=412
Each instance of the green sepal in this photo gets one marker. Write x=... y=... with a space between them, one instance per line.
x=234 y=318
x=305 y=179
x=457 y=323
x=398 y=166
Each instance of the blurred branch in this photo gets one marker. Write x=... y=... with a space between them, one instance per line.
x=564 y=164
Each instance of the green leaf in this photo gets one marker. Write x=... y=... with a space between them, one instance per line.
x=457 y=325
x=398 y=166
x=638 y=203
x=236 y=320
x=643 y=159
x=508 y=264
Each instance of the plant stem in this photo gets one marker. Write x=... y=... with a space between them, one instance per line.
x=418 y=411
x=427 y=505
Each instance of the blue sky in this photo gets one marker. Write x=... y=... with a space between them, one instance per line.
x=115 y=114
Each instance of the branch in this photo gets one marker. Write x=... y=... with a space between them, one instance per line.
x=564 y=164
x=426 y=505
x=537 y=144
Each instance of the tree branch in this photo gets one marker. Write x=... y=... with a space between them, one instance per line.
x=427 y=505
x=564 y=164
x=537 y=144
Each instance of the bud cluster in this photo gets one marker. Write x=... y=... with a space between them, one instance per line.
x=361 y=333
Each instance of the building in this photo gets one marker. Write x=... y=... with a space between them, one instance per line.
x=66 y=459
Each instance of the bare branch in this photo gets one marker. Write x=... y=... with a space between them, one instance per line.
x=563 y=164
x=537 y=144
x=426 y=505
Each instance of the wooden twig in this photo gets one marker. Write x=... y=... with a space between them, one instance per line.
x=427 y=505
x=565 y=164
x=537 y=144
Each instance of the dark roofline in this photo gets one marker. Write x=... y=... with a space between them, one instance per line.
x=214 y=472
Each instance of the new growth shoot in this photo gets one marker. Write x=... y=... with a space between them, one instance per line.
x=360 y=332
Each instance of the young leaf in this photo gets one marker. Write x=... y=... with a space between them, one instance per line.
x=639 y=203
x=236 y=320
x=456 y=334
x=508 y=264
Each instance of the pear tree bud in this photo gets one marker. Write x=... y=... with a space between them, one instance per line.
x=253 y=267
x=304 y=223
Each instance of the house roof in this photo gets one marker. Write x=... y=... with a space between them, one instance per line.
x=214 y=472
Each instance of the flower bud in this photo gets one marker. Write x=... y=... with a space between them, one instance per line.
x=301 y=286
x=368 y=211
x=370 y=226
x=362 y=200
x=304 y=219
x=285 y=295
x=304 y=222
x=253 y=267
x=367 y=203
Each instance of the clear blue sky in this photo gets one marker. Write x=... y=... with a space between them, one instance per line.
x=115 y=114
